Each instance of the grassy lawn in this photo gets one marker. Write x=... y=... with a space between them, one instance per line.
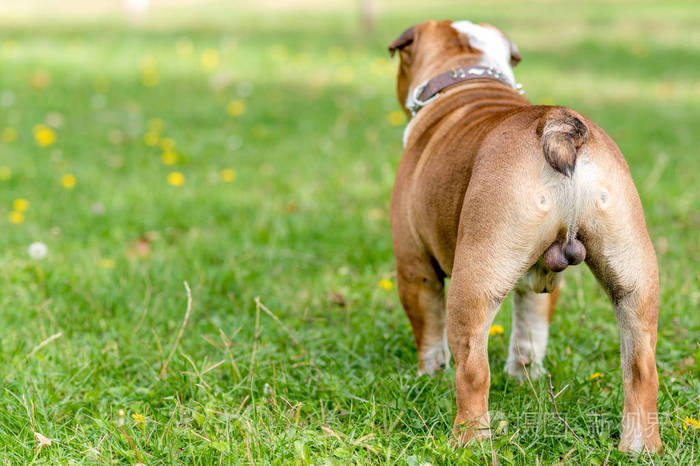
x=251 y=154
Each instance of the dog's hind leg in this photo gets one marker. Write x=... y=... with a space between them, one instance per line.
x=485 y=271
x=622 y=257
x=422 y=294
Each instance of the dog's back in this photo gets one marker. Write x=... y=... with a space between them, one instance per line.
x=436 y=171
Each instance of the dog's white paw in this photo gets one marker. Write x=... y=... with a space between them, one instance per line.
x=521 y=368
x=434 y=359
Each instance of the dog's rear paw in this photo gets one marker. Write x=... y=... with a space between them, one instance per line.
x=637 y=437
x=520 y=370
x=434 y=360
x=651 y=446
x=469 y=431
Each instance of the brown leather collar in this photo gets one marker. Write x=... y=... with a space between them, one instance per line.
x=430 y=89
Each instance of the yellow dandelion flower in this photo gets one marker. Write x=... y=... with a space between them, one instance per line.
x=44 y=136
x=16 y=217
x=169 y=157
x=150 y=77
x=9 y=134
x=235 y=107
x=345 y=74
x=139 y=419
x=68 y=181
x=396 y=117
x=167 y=144
x=5 y=173
x=690 y=422
x=20 y=205
x=149 y=71
x=106 y=263
x=595 y=375
x=496 y=330
x=209 y=59
x=156 y=125
x=176 y=179
x=151 y=138
x=385 y=284
x=228 y=175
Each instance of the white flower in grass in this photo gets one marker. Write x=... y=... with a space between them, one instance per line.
x=37 y=250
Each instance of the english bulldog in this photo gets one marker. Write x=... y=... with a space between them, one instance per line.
x=502 y=195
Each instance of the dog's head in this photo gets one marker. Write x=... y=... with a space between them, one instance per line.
x=433 y=47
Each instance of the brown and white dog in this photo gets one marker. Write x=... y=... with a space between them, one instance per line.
x=502 y=195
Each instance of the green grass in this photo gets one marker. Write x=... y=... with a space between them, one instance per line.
x=306 y=217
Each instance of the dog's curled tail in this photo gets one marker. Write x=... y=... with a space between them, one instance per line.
x=562 y=134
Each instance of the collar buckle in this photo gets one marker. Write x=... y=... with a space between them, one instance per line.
x=415 y=103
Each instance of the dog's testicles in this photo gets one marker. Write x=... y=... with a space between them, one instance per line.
x=558 y=257
x=554 y=258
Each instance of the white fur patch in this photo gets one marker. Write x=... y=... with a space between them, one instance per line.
x=407 y=132
x=528 y=340
x=435 y=358
x=495 y=47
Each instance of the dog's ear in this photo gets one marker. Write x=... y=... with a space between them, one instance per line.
x=515 y=56
x=406 y=38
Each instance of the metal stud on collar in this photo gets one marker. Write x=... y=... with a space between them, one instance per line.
x=457 y=73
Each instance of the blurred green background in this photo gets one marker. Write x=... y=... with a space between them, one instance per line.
x=249 y=148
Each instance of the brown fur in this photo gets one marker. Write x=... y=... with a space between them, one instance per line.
x=402 y=41
x=471 y=202
x=552 y=305
x=562 y=135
